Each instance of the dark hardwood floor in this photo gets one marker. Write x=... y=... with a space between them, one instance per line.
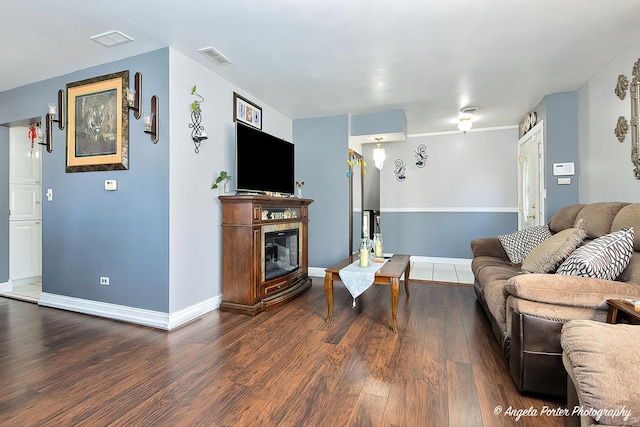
x=286 y=367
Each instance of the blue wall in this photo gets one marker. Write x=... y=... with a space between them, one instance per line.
x=560 y=114
x=442 y=234
x=4 y=204
x=89 y=232
x=321 y=162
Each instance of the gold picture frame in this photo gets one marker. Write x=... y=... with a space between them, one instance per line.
x=246 y=112
x=98 y=124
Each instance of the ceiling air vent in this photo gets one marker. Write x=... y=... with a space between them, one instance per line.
x=469 y=110
x=112 y=38
x=214 y=55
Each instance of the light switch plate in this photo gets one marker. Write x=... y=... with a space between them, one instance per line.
x=110 y=185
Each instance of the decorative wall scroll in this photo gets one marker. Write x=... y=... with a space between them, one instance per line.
x=621 y=129
x=634 y=90
x=400 y=170
x=622 y=86
x=98 y=124
x=421 y=155
x=197 y=130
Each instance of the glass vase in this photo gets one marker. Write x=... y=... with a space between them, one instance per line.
x=377 y=244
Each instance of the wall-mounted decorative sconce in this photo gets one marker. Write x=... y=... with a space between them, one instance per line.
x=51 y=117
x=134 y=95
x=197 y=130
x=379 y=154
x=150 y=119
x=622 y=127
x=421 y=155
x=400 y=170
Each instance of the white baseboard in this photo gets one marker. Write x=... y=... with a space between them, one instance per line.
x=155 y=319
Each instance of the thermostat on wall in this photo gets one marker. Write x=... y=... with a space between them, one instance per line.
x=110 y=184
x=564 y=169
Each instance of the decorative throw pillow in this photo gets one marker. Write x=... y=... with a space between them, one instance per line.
x=548 y=255
x=604 y=258
x=518 y=245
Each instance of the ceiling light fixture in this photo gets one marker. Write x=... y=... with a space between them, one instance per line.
x=464 y=124
x=379 y=154
x=464 y=121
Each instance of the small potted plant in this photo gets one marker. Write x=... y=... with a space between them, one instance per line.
x=224 y=176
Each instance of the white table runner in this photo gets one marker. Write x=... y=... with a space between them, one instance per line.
x=358 y=279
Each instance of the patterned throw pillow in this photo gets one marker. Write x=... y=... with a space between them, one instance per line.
x=518 y=245
x=604 y=258
x=548 y=255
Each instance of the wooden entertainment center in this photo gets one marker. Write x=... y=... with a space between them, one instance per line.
x=246 y=220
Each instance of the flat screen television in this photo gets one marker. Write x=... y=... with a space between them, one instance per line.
x=264 y=163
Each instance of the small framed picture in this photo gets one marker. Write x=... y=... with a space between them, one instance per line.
x=246 y=112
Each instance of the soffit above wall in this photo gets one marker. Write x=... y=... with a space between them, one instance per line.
x=388 y=125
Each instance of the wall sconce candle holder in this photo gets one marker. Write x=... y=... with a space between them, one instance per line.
x=400 y=170
x=197 y=130
x=51 y=118
x=134 y=96
x=421 y=155
x=151 y=120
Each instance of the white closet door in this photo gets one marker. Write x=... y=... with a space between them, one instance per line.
x=25 y=202
x=25 y=206
x=25 y=163
x=26 y=249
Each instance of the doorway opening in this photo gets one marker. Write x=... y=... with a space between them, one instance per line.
x=25 y=214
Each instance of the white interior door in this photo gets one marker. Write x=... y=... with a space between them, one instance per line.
x=531 y=191
x=25 y=259
x=25 y=207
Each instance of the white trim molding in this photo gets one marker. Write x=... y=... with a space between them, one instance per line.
x=155 y=319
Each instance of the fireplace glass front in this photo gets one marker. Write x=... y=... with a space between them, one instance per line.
x=280 y=253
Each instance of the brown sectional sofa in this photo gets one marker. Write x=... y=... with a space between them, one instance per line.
x=527 y=311
x=601 y=362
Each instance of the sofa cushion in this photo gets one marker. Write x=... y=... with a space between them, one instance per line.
x=631 y=274
x=604 y=258
x=598 y=217
x=549 y=254
x=628 y=217
x=564 y=218
x=518 y=245
x=601 y=359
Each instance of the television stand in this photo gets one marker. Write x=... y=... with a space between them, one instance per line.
x=246 y=220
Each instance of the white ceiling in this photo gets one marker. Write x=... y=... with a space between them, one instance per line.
x=324 y=57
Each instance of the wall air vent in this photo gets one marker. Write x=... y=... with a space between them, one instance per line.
x=112 y=38
x=214 y=55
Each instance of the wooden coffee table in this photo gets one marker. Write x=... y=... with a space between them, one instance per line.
x=618 y=310
x=389 y=274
